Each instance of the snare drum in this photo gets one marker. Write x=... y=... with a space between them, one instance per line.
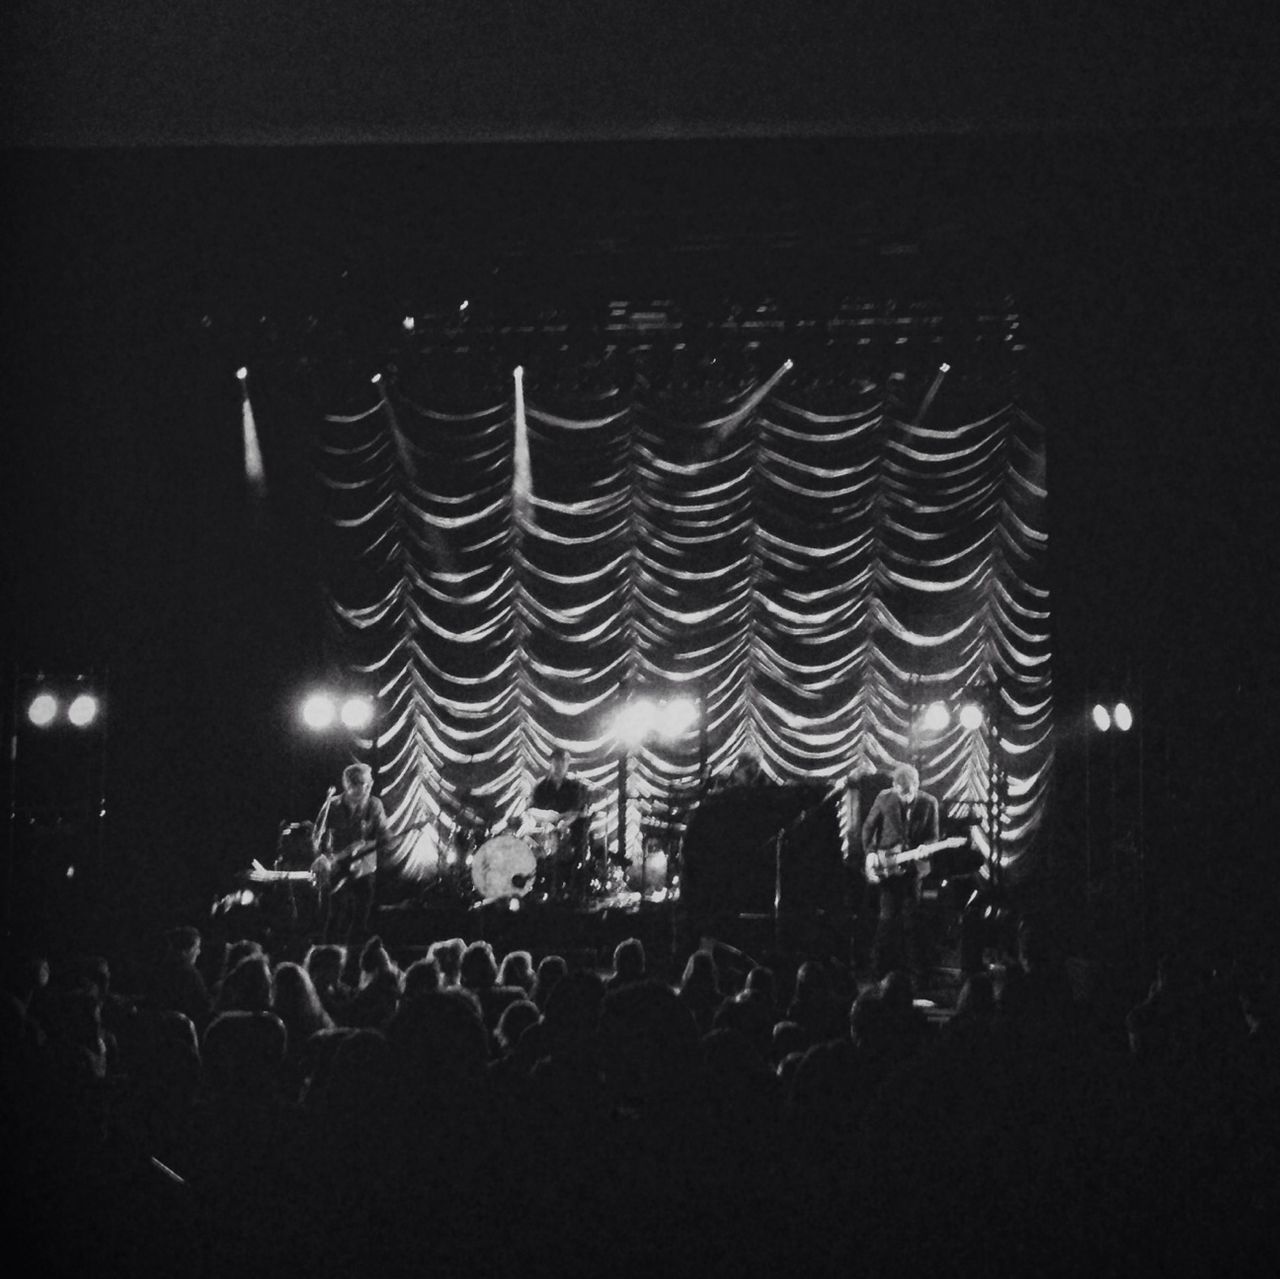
x=504 y=866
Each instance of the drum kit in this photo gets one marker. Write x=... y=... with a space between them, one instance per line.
x=538 y=859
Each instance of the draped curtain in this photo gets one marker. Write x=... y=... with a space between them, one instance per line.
x=813 y=560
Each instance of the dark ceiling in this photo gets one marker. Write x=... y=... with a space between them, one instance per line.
x=149 y=72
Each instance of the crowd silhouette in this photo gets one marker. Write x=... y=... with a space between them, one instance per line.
x=335 y=1113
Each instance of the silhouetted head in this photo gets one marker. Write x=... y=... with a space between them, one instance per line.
x=478 y=970
x=629 y=959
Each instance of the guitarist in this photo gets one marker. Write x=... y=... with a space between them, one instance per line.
x=355 y=840
x=561 y=792
x=901 y=818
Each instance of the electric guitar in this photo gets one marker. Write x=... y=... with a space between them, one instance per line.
x=547 y=829
x=354 y=861
x=889 y=862
x=260 y=874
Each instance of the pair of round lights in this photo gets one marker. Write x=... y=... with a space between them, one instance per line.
x=1120 y=715
x=44 y=709
x=937 y=717
x=321 y=711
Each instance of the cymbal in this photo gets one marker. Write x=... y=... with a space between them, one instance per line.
x=542 y=815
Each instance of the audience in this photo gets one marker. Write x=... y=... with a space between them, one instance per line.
x=478 y=975
x=378 y=996
x=815 y=1006
x=429 y=1116
x=699 y=989
x=246 y=987
x=628 y=964
x=178 y=985
x=448 y=960
x=516 y=970
x=551 y=968
x=325 y=965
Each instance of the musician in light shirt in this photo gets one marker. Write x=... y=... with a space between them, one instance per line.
x=902 y=818
x=354 y=837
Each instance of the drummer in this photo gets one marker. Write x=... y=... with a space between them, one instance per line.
x=564 y=801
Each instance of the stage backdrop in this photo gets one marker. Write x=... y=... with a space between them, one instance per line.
x=814 y=550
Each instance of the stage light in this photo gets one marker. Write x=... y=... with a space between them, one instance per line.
x=319 y=712
x=676 y=717
x=408 y=323
x=1123 y=717
x=376 y=379
x=242 y=373
x=653 y=870
x=357 y=713
x=1101 y=719
x=464 y=305
x=971 y=716
x=636 y=720
x=83 y=711
x=71 y=872
x=936 y=717
x=43 y=710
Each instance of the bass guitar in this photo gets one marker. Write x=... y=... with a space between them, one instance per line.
x=888 y=862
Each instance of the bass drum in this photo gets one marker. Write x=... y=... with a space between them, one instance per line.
x=503 y=867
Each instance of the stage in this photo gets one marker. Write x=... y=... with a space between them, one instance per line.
x=586 y=933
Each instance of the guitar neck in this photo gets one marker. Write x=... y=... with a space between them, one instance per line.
x=923 y=851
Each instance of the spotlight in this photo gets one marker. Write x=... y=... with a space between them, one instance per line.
x=319 y=712
x=83 y=711
x=43 y=710
x=242 y=373
x=635 y=721
x=357 y=713
x=376 y=379
x=408 y=324
x=1122 y=716
x=971 y=716
x=936 y=717
x=677 y=717
x=1101 y=719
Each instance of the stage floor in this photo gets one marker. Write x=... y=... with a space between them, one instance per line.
x=586 y=934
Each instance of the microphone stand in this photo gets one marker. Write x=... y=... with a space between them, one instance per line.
x=833 y=792
x=319 y=832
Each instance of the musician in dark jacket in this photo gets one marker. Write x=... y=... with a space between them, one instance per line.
x=568 y=796
x=355 y=840
x=902 y=818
